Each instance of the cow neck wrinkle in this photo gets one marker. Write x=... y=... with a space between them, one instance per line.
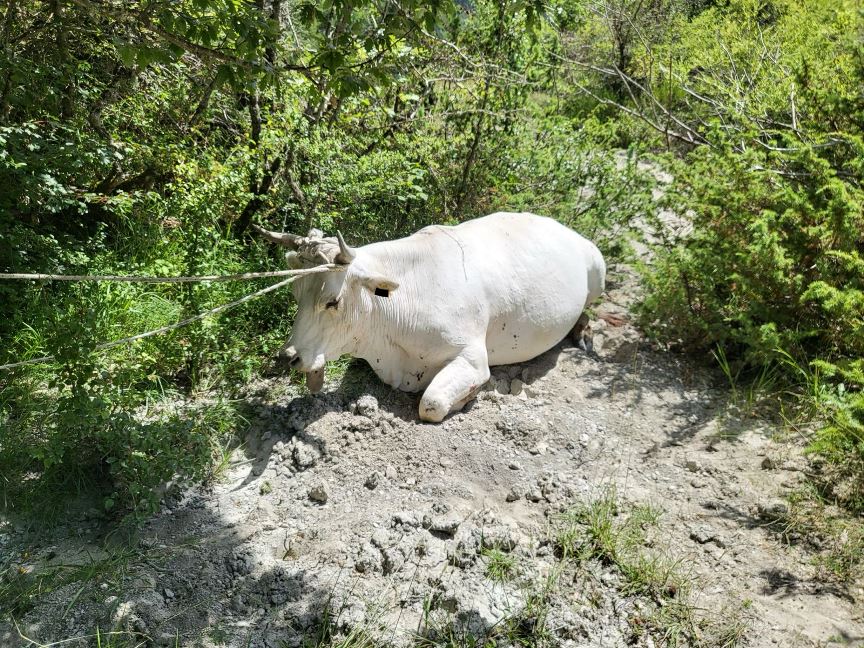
x=385 y=319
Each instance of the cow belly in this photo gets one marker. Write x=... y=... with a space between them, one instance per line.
x=509 y=342
x=538 y=321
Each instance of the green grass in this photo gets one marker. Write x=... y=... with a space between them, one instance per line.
x=23 y=584
x=823 y=513
x=619 y=537
x=835 y=540
x=500 y=566
x=103 y=639
x=750 y=389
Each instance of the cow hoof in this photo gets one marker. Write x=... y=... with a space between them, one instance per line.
x=432 y=410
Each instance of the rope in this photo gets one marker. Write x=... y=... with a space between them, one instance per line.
x=132 y=279
x=189 y=320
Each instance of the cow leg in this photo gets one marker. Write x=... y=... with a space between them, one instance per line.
x=455 y=384
x=581 y=334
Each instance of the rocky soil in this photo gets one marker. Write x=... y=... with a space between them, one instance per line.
x=343 y=512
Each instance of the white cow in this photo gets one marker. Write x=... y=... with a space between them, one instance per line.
x=434 y=310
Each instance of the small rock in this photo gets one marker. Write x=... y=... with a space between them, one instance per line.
x=692 y=466
x=305 y=455
x=539 y=449
x=698 y=483
x=368 y=560
x=768 y=464
x=701 y=535
x=516 y=386
x=318 y=494
x=367 y=405
x=445 y=462
x=502 y=386
x=513 y=465
x=407 y=520
x=773 y=510
x=372 y=480
x=168 y=593
x=390 y=472
x=445 y=526
x=534 y=495
x=515 y=493
x=361 y=425
x=391 y=560
x=381 y=539
x=441 y=508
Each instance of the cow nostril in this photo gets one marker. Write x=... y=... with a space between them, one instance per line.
x=294 y=361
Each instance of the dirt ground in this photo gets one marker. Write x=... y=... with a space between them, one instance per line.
x=344 y=511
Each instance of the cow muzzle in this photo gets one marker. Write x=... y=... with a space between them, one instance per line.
x=289 y=358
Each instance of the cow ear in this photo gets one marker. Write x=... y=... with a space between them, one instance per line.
x=376 y=283
x=294 y=260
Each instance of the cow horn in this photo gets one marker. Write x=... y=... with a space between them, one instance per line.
x=346 y=253
x=285 y=239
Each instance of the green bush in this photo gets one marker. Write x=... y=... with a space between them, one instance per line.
x=771 y=264
x=149 y=150
x=772 y=270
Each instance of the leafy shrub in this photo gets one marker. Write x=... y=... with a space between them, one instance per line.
x=773 y=269
x=771 y=263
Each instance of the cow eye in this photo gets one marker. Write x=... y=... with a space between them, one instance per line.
x=332 y=304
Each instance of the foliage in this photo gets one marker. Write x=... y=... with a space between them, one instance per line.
x=159 y=132
x=769 y=112
x=146 y=138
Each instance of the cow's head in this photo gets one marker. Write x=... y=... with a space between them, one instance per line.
x=330 y=305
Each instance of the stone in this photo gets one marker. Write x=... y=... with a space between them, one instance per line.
x=381 y=539
x=368 y=560
x=534 y=495
x=372 y=480
x=445 y=526
x=367 y=405
x=773 y=510
x=515 y=493
x=407 y=520
x=701 y=535
x=539 y=449
x=305 y=455
x=361 y=424
x=318 y=494
x=502 y=386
